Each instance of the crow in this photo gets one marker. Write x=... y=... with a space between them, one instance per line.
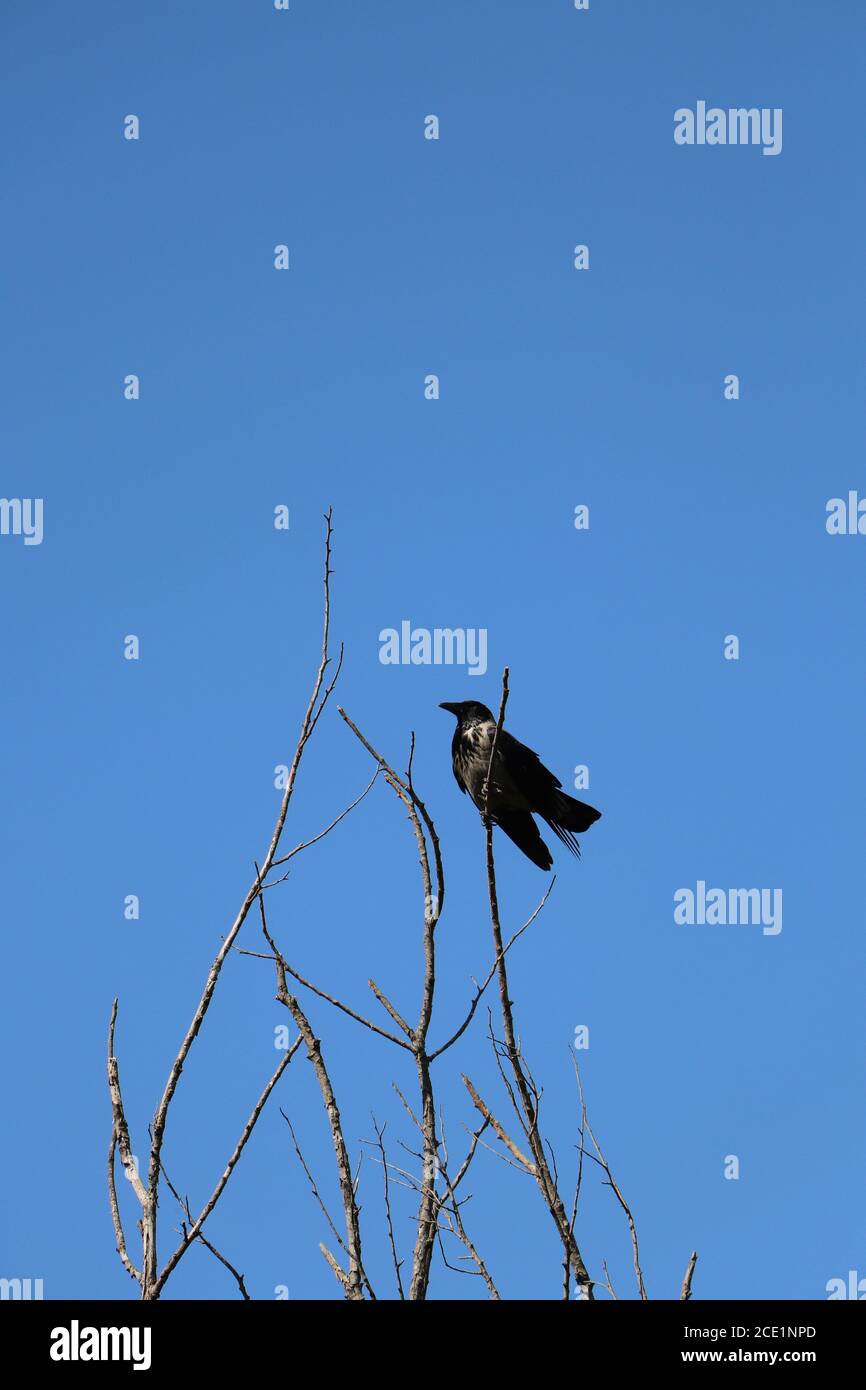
x=520 y=784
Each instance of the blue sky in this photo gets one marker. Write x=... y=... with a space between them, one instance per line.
x=601 y=387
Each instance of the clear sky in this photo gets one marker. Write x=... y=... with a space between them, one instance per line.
x=602 y=387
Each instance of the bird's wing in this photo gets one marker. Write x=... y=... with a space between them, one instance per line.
x=534 y=779
x=544 y=793
x=455 y=752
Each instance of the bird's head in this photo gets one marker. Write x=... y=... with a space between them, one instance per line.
x=469 y=712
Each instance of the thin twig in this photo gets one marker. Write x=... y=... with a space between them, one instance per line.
x=612 y=1183
x=328 y=828
x=312 y=1181
x=398 y=1263
x=329 y=998
x=479 y=990
x=183 y=1203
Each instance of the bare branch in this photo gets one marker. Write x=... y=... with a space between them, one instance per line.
x=389 y=1009
x=528 y=1094
x=409 y=790
x=120 y=1139
x=119 y=1237
x=329 y=998
x=398 y=1263
x=230 y=1267
x=484 y=1109
x=611 y=1182
x=121 y=1130
x=479 y=989
x=352 y=1280
x=339 y=1273
x=328 y=828
x=686 y=1291
x=312 y=1181
x=464 y=1167
x=355 y=1275
x=228 y=1170
x=421 y=821
x=183 y=1203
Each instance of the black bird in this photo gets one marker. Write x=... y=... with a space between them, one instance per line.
x=519 y=785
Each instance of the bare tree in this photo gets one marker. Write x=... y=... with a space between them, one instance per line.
x=439 y=1221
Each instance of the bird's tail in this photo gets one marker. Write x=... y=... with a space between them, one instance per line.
x=567 y=815
x=521 y=828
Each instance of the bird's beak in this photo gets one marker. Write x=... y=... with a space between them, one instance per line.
x=452 y=709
